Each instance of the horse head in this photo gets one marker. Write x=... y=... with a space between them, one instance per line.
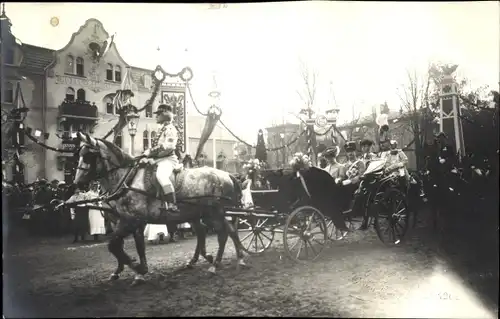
x=97 y=158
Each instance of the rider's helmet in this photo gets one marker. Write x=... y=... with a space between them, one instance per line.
x=164 y=108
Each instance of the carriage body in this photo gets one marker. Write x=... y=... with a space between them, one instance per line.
x=304 y=215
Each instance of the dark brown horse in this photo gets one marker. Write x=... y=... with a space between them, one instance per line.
x=201 y=193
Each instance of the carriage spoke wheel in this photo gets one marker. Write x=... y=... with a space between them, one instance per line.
x=305 y=234
x=392 y=219
x=255 y=234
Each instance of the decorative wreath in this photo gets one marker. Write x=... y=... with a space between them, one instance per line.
x=251 y=167
x=300 y=162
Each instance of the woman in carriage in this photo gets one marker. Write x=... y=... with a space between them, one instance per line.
x=334 y=168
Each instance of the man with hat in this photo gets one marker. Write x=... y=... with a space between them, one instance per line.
x=396 y=159
x=355 y=166
x=163 y=153
x=367 y=155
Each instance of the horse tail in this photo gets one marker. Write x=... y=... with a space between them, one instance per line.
x=238 y=192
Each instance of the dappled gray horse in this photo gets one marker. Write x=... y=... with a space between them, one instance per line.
x=201 y=194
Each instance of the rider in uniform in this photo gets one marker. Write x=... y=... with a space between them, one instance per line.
x=163 y=151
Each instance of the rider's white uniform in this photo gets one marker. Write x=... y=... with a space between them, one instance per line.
x=167 y=139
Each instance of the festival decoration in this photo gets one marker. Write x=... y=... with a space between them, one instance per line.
x=252 y=167
x=300 y=162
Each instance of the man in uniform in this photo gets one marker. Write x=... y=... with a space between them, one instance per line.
x=163 y=152
x=367 y=155
x=355 y=166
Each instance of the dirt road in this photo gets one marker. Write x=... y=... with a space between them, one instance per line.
x=358 y=277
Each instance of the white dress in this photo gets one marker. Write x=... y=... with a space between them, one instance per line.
x=153 y=231
x=96 y=220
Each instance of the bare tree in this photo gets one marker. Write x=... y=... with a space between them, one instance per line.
x=309 y=77
x=417 y=94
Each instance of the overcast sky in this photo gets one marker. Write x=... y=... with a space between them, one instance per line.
x=363 y=49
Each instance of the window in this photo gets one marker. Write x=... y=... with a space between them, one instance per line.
x=9 y=93
x=70 y=64
x=118 y=73
x=66 y=130
x=70 y=94
x=146 y=81
x=79 y=66
x=9 y=56
x=149 y=111
x=118 y=140
x=80 y=95
x=109 y=72
x=81 y=127
x=153 y=138
x=145 y=139
x=108 y=104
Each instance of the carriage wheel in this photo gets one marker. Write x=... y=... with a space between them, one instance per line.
x=255 y=234
x=392 y=219
x=305 y=234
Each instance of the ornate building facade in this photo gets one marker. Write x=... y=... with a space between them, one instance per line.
x=70 y=90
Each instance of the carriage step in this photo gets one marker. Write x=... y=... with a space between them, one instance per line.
x=347 y=211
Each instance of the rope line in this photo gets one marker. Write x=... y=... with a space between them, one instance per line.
x=237 y=137
x=34 y=139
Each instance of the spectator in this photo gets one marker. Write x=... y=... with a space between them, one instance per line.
x=79 y=215
x=96 y=218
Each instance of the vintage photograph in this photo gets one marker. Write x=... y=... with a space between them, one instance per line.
x=277 y=159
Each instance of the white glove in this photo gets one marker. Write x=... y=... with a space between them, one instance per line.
x=346 y=182
x=337 y=180
x=143 y=160
x=454 y=171
x=478 y=172
x=442 y=160
x=147 y=153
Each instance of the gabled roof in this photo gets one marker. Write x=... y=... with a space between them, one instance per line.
x=36 y=59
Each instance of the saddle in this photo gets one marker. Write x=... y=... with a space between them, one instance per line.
x=151 y=184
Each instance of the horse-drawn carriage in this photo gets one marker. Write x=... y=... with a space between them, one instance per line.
x=305 y=207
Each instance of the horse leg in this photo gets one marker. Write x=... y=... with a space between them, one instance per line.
x=237 y=246
x=201 y=248
x=140 y=246
x=115 y=246
x=222 y=234
x=197 y=227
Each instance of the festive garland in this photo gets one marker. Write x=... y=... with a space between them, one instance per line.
x=300 y=162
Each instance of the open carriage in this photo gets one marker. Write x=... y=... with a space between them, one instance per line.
x=307 y=225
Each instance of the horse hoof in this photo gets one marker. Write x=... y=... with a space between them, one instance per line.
x=241 y=265
x=210 y=259
x=189 y=265
x=211 y=270
x=114 y=277
x=138 y=280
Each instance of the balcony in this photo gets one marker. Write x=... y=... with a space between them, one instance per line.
x=79 y=110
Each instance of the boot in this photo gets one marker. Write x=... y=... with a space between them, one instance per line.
x=170 y=205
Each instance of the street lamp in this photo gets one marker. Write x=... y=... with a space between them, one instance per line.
x=132 y=122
